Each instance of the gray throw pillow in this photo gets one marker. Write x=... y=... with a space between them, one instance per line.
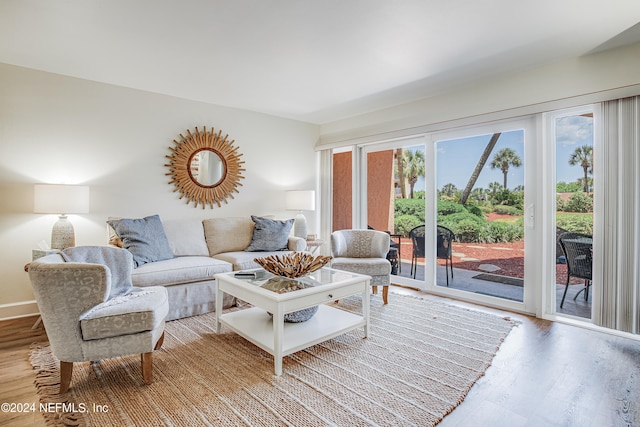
x=144 y=238
x=270 y=234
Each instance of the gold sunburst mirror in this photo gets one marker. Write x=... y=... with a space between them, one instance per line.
x=205 y=167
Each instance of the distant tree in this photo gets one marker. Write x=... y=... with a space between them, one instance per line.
x=519 y=189
x=400 y=172
x=479 y=194
x=479 y=166
x=503 y=160
x=494 y=188
x=413 y=165
x=583 y=156
x=449 y=190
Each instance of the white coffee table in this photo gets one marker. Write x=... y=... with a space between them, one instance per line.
x=280 y=338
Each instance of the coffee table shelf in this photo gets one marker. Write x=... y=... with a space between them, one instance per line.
x=255 y=325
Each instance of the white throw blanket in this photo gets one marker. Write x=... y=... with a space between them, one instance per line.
x=118 y=261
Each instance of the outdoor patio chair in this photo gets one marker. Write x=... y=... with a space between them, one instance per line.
x=394 y=252
x=560 y=258
x=577 y=248
x=417 y=238
x=445 y=238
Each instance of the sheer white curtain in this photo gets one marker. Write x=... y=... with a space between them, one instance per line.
x=326 y=199
x=617 y=300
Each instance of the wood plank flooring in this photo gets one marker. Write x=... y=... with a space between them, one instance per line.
x=545 y=374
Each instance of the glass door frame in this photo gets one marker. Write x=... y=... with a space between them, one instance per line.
x=360 y=197
x=548 y=124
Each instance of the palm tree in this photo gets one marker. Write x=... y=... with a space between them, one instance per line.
x=413 y=165
x=504 y=159
x=476 y=172
x=449 y=190
x=583 y=156
x=400 y=171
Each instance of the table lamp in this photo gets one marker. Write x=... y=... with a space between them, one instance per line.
x=61 y=200
x=300 y=200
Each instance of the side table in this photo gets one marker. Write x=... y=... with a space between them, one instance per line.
x=313 y=245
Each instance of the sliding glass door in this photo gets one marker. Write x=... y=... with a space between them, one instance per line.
x=480 y=210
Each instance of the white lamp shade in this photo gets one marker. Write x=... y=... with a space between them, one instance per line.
x=60 y=199
x=300 y=200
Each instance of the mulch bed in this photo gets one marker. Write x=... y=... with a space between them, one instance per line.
x=509 y=257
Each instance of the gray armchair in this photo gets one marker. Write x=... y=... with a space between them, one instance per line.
x=91 y=311
x=364 y=252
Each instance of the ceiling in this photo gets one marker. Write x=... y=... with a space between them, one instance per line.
x=312 y=60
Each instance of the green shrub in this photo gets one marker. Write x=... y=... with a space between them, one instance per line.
x=579 y=202
x=510 y=198
x=413 y=207
x=466 y=226
x=447 y=207
x=507 y=210
x=504 y=232
x=476 y=211
x=405 y=223
x=577 y=223
x=571 y=187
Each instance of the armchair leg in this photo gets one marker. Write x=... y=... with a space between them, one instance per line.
x=159 y=343
x=385 y=294
x=66 y=371
x=147 y=367
x=374 y=289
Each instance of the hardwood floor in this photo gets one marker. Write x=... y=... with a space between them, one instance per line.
x=545 y=374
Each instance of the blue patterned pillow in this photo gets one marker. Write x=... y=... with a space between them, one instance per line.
x=270 y=234
x=144 y=238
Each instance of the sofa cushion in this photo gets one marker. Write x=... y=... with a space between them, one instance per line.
x=144 y=238
x=269 y=234
x=126 y=314
x=186 y=237
x=227 y=234
x=186 y=269
x=243 y=260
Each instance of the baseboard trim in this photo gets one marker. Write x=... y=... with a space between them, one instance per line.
x=18 y=309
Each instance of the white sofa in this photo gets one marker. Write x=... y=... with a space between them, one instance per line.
x=201 y=248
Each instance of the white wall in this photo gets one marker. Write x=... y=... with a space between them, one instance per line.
x=57 y=129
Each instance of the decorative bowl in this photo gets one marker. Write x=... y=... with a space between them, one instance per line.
x=292 y=265
x=282 y=285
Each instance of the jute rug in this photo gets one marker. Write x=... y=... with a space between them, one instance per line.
x=419 y=362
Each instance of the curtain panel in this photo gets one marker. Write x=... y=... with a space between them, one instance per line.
x=617 y=299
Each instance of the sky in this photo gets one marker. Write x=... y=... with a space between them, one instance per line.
x=457 y=158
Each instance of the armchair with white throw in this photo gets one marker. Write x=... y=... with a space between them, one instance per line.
x=91 y=311
x=363 y=252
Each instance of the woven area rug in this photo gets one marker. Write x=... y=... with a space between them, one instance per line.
x=418 y=364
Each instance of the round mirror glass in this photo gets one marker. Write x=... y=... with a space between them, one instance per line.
x=207 y=168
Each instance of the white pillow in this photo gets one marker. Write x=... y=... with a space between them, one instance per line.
x=186 y=237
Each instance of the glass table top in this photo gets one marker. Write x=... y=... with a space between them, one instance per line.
x=322 y=277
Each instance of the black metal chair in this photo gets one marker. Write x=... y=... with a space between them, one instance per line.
x=445 y=238
x=578 y=251
x=560 y=258
x=417 y=238
x=394 y=252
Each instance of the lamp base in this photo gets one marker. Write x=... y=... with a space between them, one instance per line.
x=62 y=235
x=300 y=226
